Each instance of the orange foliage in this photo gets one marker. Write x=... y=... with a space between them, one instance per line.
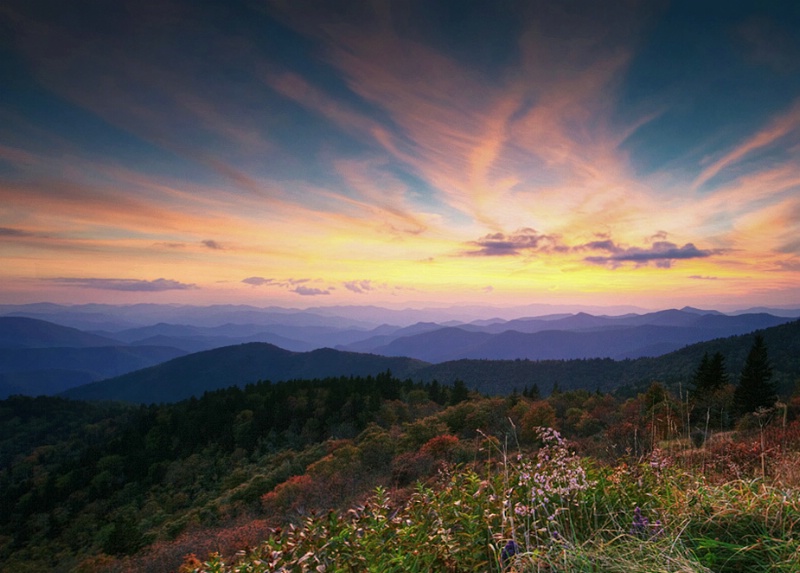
x=290 y=495
x=440 y=447
x=539 y=414
x=181 y=554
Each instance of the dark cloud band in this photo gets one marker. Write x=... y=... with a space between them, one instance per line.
x=662 y=253
x=529 y=241
x=129 y=285
x=519 y=242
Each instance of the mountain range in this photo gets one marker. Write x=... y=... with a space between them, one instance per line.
x=42 y=357
x=239 y=365
x=115 y=318
x=576 y=336
x=39 y=357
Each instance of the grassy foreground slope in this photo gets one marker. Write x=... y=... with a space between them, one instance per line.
x=546 y=511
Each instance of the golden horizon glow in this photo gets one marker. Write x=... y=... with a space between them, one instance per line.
x=377 y=163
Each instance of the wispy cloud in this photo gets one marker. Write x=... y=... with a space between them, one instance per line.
x=297 y=286
x=778 y=128
x=258 y=281
x=359 y=287
x=263 y=281
x=391 y=137
x=13 y=233
x=311 y=291
x=129 y=285
x=792 y=265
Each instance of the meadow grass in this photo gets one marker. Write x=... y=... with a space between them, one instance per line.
x=547 y=511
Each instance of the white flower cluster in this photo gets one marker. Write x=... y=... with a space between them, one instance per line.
x=550 y=481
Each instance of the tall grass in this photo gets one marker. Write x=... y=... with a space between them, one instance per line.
x=549 y=512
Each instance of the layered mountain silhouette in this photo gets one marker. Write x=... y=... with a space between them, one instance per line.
x=575 y=336
x=243 y=364
x=40 y=357
x=675 y=368
x=22 y=332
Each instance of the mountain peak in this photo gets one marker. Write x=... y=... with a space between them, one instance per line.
x=693 y=310
x=24 y=332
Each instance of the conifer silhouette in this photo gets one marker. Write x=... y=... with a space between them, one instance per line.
x=755 y=390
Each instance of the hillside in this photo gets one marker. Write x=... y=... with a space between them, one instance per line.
x=578 y=336
x=194 y=374
x=505 y=376
x=21 y=332
x=112 y=478
x=435 y=337
x=39 y=357
x=36 y=371
x=243 y=364
x=103 y=486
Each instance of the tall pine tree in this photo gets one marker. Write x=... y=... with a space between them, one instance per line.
x=710 y=400
x=710 y=376
x=700 y=376
x=755 y=389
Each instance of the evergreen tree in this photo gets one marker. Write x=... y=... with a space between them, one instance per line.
x=459 y=393
x=436 y=393
x=700 y=377
x=532 y=392
x=710 y=376
x=711 y=402
x=755 y=389
x=717 y=376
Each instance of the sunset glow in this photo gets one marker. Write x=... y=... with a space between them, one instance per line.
x=400 y=153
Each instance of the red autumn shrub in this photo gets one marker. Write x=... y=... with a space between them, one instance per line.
x=440 y=447
x=412 y=466
x=290 y=495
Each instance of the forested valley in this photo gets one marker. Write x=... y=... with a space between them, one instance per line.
x=117 y=487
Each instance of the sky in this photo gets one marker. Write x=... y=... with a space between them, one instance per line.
x=306 y=153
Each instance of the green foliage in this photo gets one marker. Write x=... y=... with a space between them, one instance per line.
x=743 y=526
x=150 y=484
x=80 y=478
x=556 y=512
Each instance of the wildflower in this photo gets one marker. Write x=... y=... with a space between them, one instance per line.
x=640 y=523
x=508 y=552
x=641 y=526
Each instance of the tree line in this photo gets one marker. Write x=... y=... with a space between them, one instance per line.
x=718 y=402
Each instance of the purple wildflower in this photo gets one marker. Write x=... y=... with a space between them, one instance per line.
x=641 y=526
x=640 y=523
x=508 y=551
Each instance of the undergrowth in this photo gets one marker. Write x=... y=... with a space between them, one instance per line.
x=548 y=511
